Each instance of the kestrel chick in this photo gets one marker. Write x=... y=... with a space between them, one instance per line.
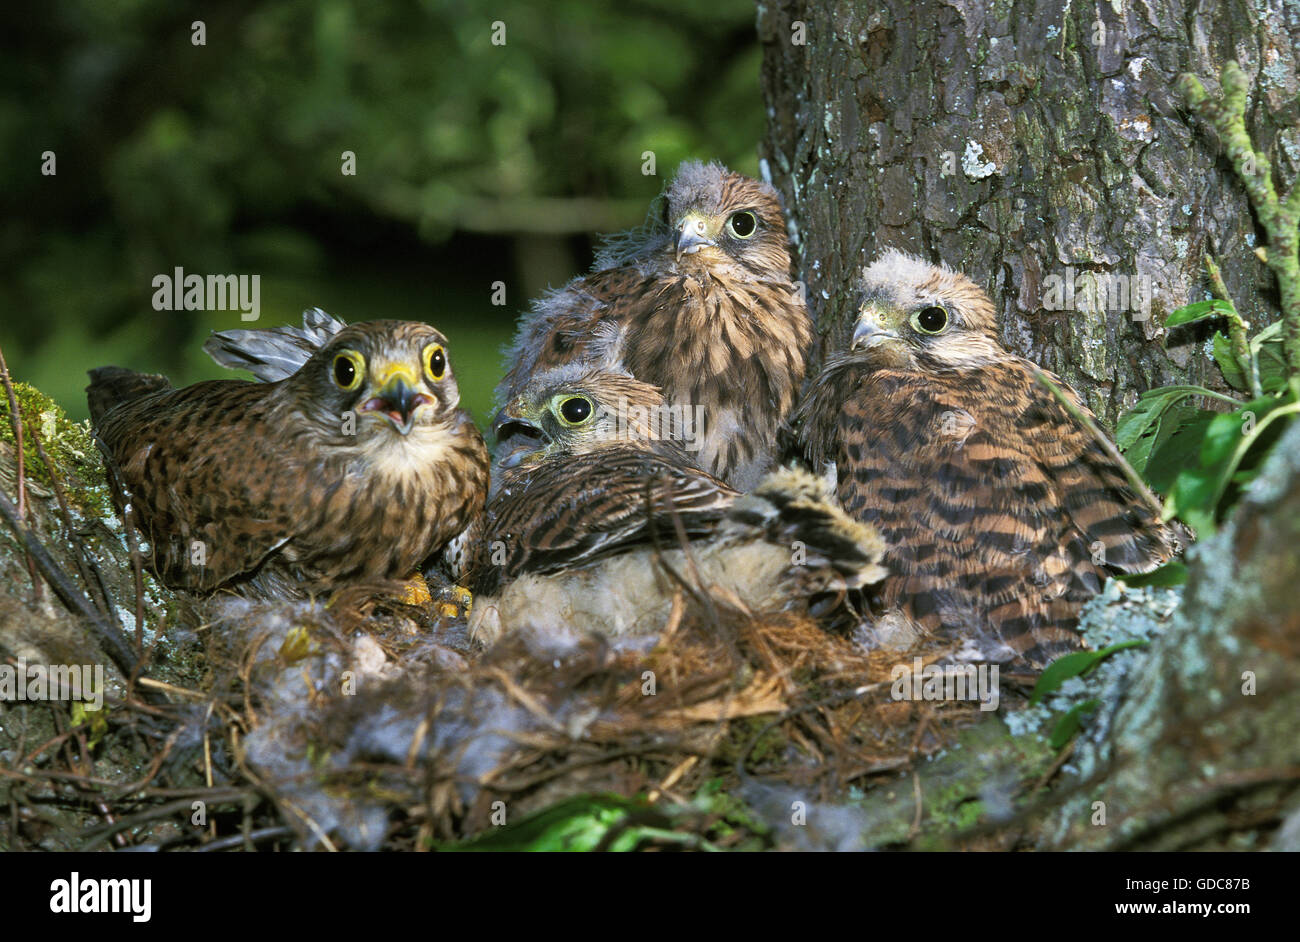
x=583 y=531
x=575 y=410
x=1002 y=514
x=273 y=353
x=357 y=467
x=699 y=304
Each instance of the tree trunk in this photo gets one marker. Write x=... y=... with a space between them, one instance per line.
x=1028 y=143
x=1021 y=142
x=1200 y=749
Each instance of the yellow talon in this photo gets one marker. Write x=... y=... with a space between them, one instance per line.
x=417 y=591
x=462 y=600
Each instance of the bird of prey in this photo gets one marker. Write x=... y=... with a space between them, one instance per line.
x=698 y=303
x=273 y=353
x=575 y=409
x=1002 y=513
x=356 y=467
x=587 y=526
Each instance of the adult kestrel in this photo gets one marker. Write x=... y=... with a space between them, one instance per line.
x=357 y=467
x=585 y=529
x=1001 y=513
x=700 y=304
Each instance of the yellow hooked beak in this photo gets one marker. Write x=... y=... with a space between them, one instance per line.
x=875 y=326
x=397 y=396
x=694 y=232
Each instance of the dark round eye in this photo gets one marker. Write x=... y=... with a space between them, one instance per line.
x=435 y=361
x=931 y=320
x=742 y=224
x=348 y=367
x=575 y=410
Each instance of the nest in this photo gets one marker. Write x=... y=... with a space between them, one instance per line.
x=366 y=722
x=378 y=722
x=371 y=721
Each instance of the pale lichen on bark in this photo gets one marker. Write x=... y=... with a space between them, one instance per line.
x=882 y=126
x=1206 y=725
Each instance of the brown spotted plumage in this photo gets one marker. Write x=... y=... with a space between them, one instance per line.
x=1001 y=513
x=700 y=304
x=586 y=524
x=356 y=467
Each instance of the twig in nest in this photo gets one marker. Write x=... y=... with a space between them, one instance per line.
x=285 y=803
x=215 y=796
x=699 y=594
x=796 y=711
x=417 y=742
x=114 y=645
x=493 y=781
x=16 y=421
x=1055 y=767
x=81 y=557
x=915 y=829
x=673 y=777
x=137 y=573
x=245 y=839
x=172 y=689
x=526 y=700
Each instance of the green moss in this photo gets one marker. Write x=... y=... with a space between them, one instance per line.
x=741 y=734
x=1279 y=213
x=69 y=446
x=987 y=759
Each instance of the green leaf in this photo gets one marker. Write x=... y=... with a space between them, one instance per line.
x=1223 y=435
x=1171 y=573
x=1070 y=722
x=1270 y=359
x=1172 y=422
x=96 y=719
x=1271 y=333
x=1273 y=369
x=1139 y=428
x=1194 y=494
x=1192 y=500
x=1072 y=665
x=1178 y=451
x=1227 y=360
x=584 y=823
x=1199 y=312
x=575 y=824
x=1149 y=407
x=1199 y=488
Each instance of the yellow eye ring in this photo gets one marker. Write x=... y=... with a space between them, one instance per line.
x=931 y=320
x=348 y=370
x=435 y=362
x=574 y=410
x=743 y=224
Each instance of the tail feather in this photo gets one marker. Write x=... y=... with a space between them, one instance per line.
x=795 y=509
x=110 y=386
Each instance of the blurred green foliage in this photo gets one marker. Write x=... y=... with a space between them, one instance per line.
x=475 y=162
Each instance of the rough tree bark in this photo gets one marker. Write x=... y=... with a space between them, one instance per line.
x=1071 y=153
x=1023 y=139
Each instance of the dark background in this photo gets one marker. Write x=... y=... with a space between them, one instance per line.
x=475 y=163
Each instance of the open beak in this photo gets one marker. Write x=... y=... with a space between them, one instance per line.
x=517 y=439
x=870 y=332
x=397 y=399
x=692 y=235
